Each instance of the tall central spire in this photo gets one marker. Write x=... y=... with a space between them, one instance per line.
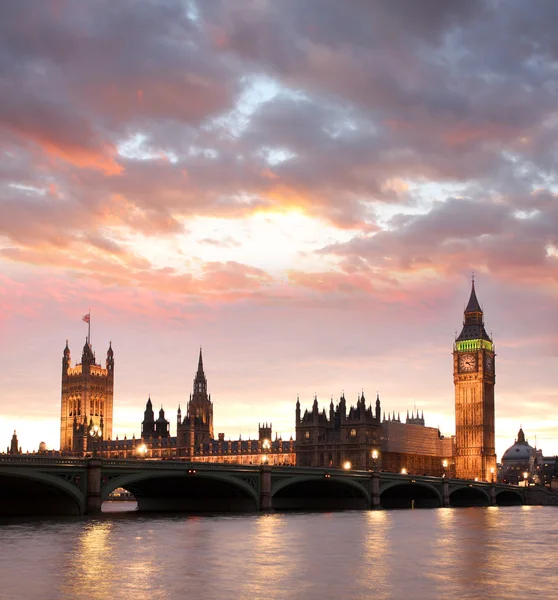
x=200 y=363
x=200 y=382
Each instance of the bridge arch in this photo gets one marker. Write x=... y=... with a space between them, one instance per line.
x=306 y=492
x=32 y=493
x=410 y=494
x=509 y=497
x=193 y=491
x=469 y=495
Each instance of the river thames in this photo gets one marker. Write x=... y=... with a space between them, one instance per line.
x=406 y=554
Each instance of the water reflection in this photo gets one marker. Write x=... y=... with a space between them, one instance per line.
x=91 y=562
x=444 y=553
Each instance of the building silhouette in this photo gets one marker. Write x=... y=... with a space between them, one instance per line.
x=87 y=398
x=194 y=440
x=474 y=379
x=357 y=436
x=520 y=460
x=196 y=430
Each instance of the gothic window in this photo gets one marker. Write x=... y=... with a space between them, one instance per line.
x=307 y=435
x=353 y=433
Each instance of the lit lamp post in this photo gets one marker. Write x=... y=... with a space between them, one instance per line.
x=445 y=466
x=266 y=445
x=403 y=471
x=347 y=465
x=375 y=458
x=96 y=434
x=525 y=478
x=491 y=474
x=141 y=450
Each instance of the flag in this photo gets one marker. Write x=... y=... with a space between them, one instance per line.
x=87 y=318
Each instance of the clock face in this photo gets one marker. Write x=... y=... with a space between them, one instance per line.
x=467 y=362
x=489 y=363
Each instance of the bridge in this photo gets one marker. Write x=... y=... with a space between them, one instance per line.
x=67 y=486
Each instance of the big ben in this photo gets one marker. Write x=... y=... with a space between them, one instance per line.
x=474 y=379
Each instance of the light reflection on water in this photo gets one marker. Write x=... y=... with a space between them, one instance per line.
x=444 y=553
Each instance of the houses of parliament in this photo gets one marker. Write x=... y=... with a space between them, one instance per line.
x=362 y=436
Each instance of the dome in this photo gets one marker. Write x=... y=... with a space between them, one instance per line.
x=520 y=451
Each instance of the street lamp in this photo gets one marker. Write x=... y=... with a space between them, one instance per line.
x=525 y=477
x=375 y=458
x=347 y=465
x=266 y=446
x=403 y=471
x=445 y=466
x=492 y=474
x=141 y=450
x=96 y=434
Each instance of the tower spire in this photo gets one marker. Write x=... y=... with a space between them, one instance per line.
x=200 y=362
x=473 y=305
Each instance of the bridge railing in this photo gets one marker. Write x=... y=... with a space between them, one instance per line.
x=178 y=464
x=40 y=460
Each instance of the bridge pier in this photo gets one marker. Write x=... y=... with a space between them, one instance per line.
x=375 y=491
x=265 y=488
x=445 y=493
x=93 y=505
x=492 y=495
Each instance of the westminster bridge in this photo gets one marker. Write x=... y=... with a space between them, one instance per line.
x=68 y=486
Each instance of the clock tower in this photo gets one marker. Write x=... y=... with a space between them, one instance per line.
x=474 y=378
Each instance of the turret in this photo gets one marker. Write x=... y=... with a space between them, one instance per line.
x=178 y=417
x=297 y=410
x=87 y=356
x=66 y=359
x=14 y=445
x=343 y=407
x=378 y=408
x=148 y=423
x=110 y=359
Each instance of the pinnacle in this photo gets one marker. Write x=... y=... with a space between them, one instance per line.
x=473 y=304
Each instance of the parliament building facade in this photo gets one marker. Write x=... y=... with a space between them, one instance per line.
x=357 y=437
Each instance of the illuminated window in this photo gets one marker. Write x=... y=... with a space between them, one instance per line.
x=353 y=432
x=307 y=435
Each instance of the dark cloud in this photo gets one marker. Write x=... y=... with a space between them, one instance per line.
x=370 y=97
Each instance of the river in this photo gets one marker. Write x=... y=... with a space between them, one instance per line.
x=401 y=554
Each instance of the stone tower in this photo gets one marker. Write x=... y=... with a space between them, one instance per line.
x=474 y=378
x=197 y=427
x=87 y=396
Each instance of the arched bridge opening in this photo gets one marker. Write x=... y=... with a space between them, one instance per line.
x=509 y=498
x=469 y=496
x=38 y=495
x=192 y=492
x=327 y=493
x=410 y=495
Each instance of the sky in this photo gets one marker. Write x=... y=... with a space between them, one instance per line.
x=302 y=188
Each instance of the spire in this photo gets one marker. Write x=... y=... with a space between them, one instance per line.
x=200 y=362
x=200 y=382
x=520 y=436
x=473 y=325
x=473 y=304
